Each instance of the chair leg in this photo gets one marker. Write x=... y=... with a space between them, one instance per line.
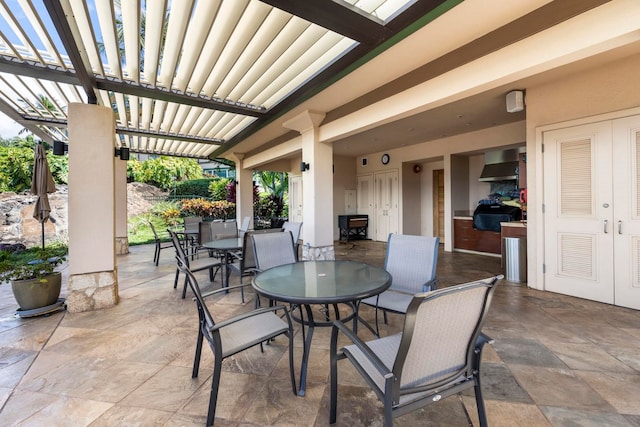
x=156 y=255
x=215 y=385
x=196 y=360
x=291 y=369
x=377 y=327
x=482 y=414
x=184 y=289
x=333 y=376
x=175 y=282
x=384 y=315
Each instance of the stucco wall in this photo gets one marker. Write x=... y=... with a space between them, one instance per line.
x=344 y=178
x=605 y=89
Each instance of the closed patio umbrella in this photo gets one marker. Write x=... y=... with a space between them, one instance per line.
x=42 y=183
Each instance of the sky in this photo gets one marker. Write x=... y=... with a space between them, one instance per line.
x=8 y=127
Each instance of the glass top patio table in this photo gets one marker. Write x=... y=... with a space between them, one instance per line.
x=320 y=282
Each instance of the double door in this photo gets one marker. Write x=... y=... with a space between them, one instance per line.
x=592 y=211
x=377 y=197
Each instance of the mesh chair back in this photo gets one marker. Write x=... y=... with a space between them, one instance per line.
x=224 y=229
x=411 y=261
x=206 y=320
x=273 y=249
x=205 y=232
x=294 y=228
x=246 y=221
x=248 y=254
x=440 y=332
x=155 y=234
x=180 y=255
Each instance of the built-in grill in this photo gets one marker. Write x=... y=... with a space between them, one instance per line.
x=489 y=217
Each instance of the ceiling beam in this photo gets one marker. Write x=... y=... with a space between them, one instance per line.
x=15 y=66
x=78 y=59
x=174 y=96
x=344 y=20
x=164 y=135
x=51 y=121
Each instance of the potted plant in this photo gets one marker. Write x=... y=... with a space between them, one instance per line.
x=32 y=275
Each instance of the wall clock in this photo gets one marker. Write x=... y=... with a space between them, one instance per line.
x=385 y=159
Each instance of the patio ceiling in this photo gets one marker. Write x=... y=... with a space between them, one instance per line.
x=186 y=77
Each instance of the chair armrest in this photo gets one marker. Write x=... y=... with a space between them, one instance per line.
x=484 y=339
x=251 y=314
x=431 y=285
x=375 y=361
x=228 y=288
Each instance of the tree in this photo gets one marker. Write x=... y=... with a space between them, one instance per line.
x=162 y=171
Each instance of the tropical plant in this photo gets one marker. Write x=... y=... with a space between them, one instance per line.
x=164 y=172
x=16 y=165
x=34 y=263
x=218 y=189
x=275 y=183
x=220 y=209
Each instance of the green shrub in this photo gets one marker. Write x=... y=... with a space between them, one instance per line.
x=194 y=187
x=218 y=188
x=220 y=209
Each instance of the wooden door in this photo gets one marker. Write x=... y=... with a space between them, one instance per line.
x=364 y=199
x=438 y=204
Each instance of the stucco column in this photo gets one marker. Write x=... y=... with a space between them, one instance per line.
x=317 y=184
x=122 y=238
x=244 y=190
x=93 y=279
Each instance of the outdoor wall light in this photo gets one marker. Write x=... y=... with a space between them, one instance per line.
x=60 y=148
x=304 y=166
x=123 y=152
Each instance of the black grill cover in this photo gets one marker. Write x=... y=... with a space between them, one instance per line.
x=489 y=217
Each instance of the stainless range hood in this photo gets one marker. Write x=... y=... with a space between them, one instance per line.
x=500 y=165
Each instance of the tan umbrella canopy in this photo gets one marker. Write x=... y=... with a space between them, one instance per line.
x=42 y=183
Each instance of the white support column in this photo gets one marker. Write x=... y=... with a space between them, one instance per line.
x=244 y=190
x=317 y=184
x=122 y=238
x=93 y=279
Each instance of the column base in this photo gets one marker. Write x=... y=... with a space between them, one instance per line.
x=92 y=291
x=320 y=253
x=122 y=245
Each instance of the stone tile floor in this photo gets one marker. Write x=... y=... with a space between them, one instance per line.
x=557 y=360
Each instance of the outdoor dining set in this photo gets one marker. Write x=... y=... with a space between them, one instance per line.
x=437 y=354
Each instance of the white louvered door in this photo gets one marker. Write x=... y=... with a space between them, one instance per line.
x=578 y=213
x=386 y=204
x=626 y=184
x=592 y=214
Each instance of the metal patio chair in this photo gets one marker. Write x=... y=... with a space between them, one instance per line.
x=411 y=261
x=234 y=335
x=197 y=264
x=437 y=354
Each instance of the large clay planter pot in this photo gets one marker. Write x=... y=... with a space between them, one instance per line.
x=37 y=293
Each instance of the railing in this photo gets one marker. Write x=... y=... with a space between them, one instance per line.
x=173 y=198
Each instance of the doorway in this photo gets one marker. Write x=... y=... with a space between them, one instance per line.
x=438 y=204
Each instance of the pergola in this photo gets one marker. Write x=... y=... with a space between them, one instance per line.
x=187 y=78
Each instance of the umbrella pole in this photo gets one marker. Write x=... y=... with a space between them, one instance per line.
x=42 y=223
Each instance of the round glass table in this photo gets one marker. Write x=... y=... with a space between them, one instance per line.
x=320 y=282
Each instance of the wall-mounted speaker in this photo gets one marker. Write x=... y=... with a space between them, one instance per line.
x=515 y=101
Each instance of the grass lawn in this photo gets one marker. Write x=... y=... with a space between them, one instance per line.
x=140 y=233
